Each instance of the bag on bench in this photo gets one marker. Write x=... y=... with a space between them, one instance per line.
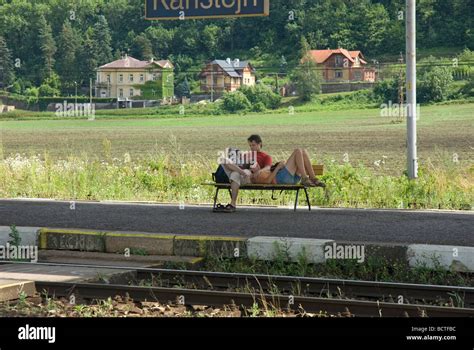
x=220 y=176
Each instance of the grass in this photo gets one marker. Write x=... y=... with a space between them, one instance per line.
x=165 y=159
x=372 y=269
x=361 y=133
x=173 y=178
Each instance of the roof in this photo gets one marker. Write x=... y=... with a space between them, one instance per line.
x=233 y=68
x=321 y=56
x=129 y=62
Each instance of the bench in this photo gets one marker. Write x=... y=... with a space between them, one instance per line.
x=318 y=170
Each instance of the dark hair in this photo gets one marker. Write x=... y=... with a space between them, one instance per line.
x=255 y=138
x=272 y=169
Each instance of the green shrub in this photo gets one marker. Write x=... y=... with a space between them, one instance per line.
x=261 y=94
x=468 y=89
x=235 y=102
x=386 y=90
x=434 y=84
x=258 y=107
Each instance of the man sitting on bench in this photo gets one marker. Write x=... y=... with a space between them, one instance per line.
x=238 y=177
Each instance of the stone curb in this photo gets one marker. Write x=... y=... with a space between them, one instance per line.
x=456 y=258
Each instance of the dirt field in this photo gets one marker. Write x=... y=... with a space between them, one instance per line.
x=445 y=135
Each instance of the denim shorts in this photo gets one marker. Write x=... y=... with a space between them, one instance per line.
x=284 y=177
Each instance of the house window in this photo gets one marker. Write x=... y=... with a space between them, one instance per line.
x=108 y=78
x=338 y=61
x=130 y=78
x=120 y=92
x=120 y=78
x=142 y=78
x=155 y=76
x=357 y=75
x=338 y=74
x=131 y=92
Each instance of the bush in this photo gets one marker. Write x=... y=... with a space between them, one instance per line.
x=434 y=84
x=468 y=89
x=235 y=102
x=387 y=90
x=261 y=94
x=357 y=98
x=48 y=91
x=258 y=107
x=32 y=95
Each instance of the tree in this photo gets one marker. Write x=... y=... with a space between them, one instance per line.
x=68 y=45
x=210 y=39
x=141 y=47
x=87 y=61
x=306 y=76
x=47 y=45
x=183 y=88
x=101 y=41
x=51 y=86
x=6 y=67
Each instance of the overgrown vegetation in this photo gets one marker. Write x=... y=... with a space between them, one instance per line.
x=165 y=178
x=72 y=39
x=372 y=269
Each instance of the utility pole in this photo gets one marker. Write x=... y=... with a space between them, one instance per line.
x=90 y=92
x=212 y=83
x=75 y=105
x=401 y=94
x=412 y=160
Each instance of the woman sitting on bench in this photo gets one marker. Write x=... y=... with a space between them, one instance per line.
x=297 y=169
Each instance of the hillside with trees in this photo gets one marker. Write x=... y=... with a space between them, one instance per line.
x=52 y=45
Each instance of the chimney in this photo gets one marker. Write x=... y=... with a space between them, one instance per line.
x=228 y=61
x=236 y=62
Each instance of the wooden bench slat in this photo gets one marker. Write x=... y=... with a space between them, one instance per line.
x=318 y=169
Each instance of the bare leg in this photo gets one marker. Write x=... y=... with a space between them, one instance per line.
x=307 y=164
x=295 y=163
x=235 y=193
x=310 y=171
x=232 y=167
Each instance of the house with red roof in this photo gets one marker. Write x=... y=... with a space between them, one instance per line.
x=342 y=65
x=129 y=78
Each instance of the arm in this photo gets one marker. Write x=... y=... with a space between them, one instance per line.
x=232 y=167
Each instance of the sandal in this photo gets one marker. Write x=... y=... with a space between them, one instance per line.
x=229 y=209
x=306 y=182
x=318 y=183
x=219 y=208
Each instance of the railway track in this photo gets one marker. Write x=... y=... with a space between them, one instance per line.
x=313 y=295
